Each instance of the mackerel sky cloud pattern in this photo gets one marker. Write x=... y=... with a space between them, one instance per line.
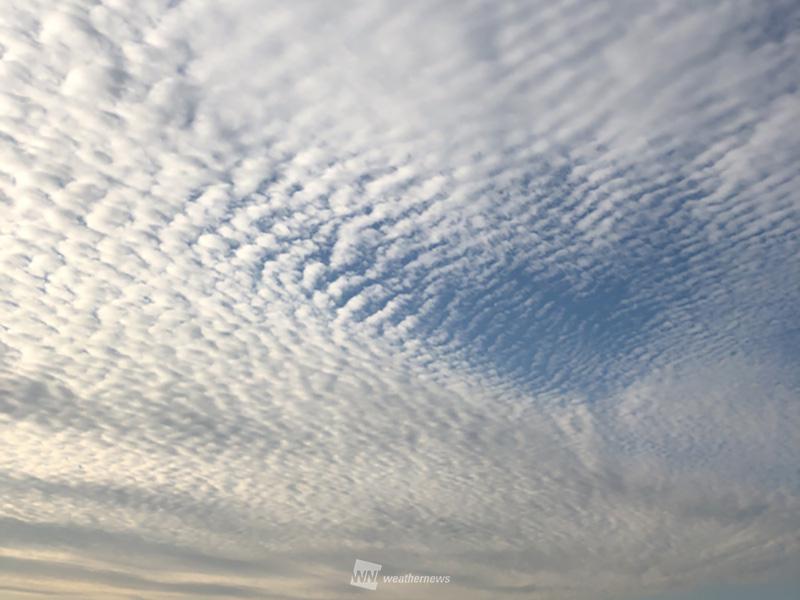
x=506 y=291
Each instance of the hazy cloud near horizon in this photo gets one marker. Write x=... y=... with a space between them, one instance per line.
x=504 y=291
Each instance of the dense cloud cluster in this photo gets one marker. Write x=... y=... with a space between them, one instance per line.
x=502 y=291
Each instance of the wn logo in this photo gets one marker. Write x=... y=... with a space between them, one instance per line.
x=365 y=574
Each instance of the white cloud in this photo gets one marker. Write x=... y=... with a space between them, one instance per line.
x=496 y=291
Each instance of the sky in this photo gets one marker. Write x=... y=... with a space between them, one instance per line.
x=507 y=292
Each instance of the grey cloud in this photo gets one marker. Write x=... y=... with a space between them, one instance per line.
x=70 y=572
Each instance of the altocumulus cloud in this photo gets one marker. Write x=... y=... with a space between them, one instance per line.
x=504 y=291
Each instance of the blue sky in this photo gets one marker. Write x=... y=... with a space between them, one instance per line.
x=501 y=291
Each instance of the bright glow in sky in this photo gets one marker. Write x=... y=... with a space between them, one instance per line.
x=505 y=291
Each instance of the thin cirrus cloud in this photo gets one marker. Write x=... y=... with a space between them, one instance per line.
x=500 y=291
